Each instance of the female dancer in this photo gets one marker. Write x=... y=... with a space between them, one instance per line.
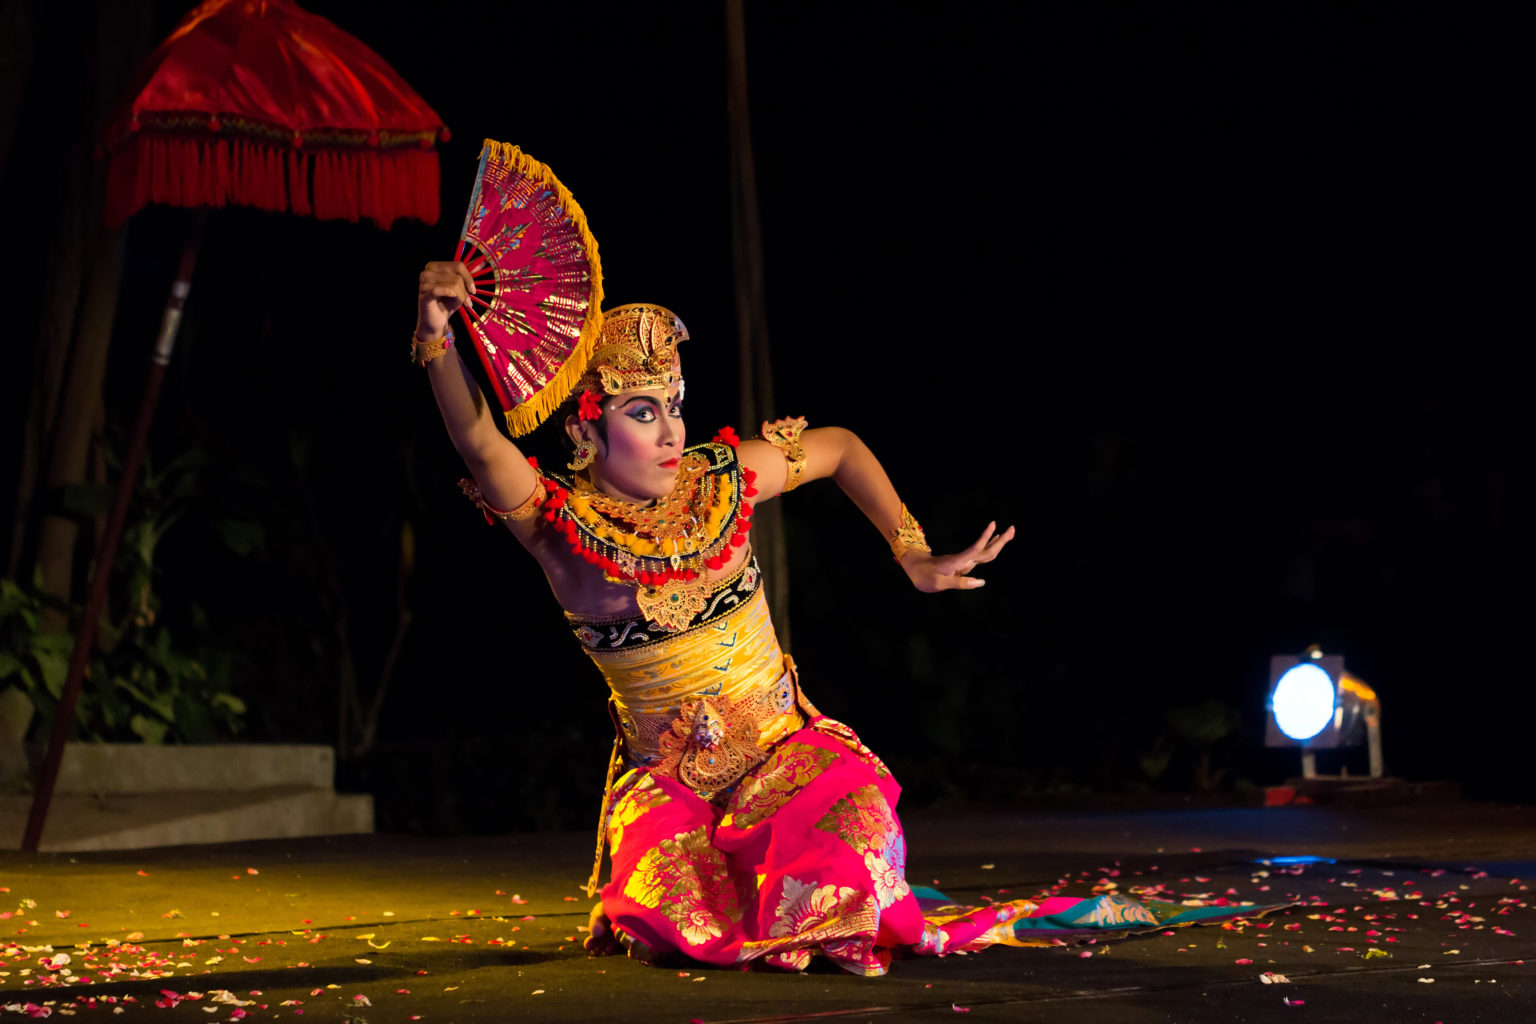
x=745 y=825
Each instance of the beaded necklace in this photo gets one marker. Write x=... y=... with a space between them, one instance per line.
x=664 y=549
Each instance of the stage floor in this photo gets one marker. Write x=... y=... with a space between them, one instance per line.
x=1425 y=915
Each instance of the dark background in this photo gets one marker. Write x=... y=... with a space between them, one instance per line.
x=1224 y=307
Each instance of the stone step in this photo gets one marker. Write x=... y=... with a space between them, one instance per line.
x=135 y=821
x=104 y=769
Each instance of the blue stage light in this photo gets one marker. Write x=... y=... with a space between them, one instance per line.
x=1303 y=702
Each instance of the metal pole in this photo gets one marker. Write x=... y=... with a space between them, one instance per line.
x=1373 y=743
x=96 y=599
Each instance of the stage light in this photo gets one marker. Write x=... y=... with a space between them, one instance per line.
x=1303 y=701
x=1315 y=704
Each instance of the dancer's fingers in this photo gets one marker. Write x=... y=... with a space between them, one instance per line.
x=996 y=545
x=981 y=542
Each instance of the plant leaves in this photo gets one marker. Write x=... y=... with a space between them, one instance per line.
x=12 y=598
x=51 y=653
x=147 y=729
x=230 y=701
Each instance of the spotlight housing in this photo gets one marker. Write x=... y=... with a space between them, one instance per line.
x=1315 y=704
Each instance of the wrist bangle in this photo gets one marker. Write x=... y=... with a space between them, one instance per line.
x=907 y=537
x=423 y=352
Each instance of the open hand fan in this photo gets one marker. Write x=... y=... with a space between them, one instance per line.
x=536 y=308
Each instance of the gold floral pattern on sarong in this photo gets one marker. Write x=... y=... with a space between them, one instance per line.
x=765 y=790
x=685 y=879
x=804 y=905
x=645 y=795
x=841 y=920
x=1113 y=910
x=862 y=819
x=890 y=879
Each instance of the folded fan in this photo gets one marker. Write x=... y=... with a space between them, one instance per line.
x=535 y=310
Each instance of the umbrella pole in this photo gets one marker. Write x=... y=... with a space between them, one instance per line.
x=96 y=600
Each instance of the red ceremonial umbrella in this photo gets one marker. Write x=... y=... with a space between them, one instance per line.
x=260 y=103
x=256 y=103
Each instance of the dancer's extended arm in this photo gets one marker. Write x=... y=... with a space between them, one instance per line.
x=838 y=453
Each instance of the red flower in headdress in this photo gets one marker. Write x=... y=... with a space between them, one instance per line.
x=591 y=406
x=727 y=435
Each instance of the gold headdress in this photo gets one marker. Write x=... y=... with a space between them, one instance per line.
x=636 y=349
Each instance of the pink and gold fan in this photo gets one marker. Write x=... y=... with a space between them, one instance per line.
x=536 y=308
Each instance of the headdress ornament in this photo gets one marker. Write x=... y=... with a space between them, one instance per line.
x=636 y=349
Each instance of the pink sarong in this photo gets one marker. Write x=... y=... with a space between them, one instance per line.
x=806 y=856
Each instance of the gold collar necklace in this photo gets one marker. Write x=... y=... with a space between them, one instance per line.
x=664 y=549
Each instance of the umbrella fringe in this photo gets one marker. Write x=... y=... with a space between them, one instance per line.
x=524 y=417
x=328 y=184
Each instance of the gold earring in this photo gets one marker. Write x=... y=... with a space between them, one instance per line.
x=586 y=451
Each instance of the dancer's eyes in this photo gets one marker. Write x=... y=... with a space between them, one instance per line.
x=643 y=414
x=676 y=412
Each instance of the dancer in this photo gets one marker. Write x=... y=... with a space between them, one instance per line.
x=744 y=824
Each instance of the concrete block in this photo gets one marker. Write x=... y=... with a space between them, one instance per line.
x=106 y=769
x=140 y=821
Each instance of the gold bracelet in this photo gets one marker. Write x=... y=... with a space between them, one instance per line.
x=784 y=435
x=907 y=537
x=423 y=352
x=471 y=491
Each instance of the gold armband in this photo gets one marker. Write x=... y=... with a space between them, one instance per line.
x=423 y=352
x=784 y=435
x=471 y=491
x=907 y=537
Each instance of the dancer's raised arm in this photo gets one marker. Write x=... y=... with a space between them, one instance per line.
x=788 y=455
x=505 y=479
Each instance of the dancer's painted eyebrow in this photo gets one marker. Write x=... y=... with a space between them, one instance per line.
x=640 y=398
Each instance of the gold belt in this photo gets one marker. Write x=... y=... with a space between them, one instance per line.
x=713 y=742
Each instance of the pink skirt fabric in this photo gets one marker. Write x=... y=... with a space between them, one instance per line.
x=805 y=856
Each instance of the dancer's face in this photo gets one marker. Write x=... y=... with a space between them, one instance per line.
x=645 y=442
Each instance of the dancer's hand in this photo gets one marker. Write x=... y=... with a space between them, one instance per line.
x=930 y=573
x=600 y=939
x=442 y=288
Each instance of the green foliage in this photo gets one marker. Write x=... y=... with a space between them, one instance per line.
x=138 y=685
x=1205 y=723
x=139 y=682
x=1199 y=732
